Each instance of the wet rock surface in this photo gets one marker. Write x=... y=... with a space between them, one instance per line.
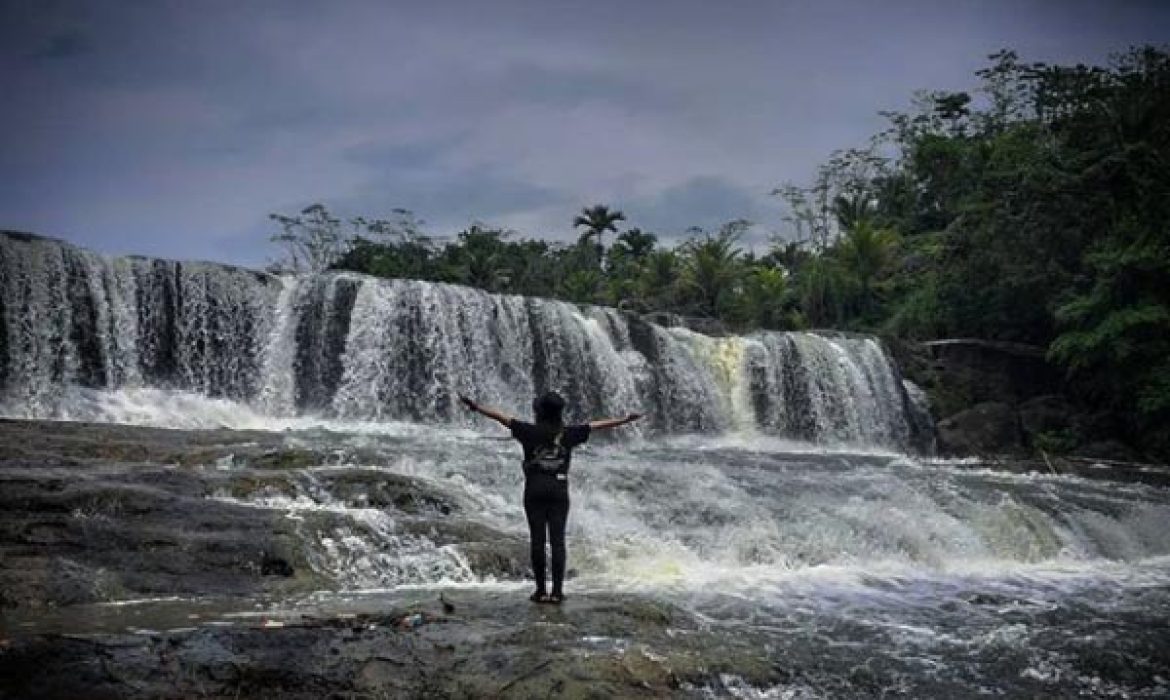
x=988 y=428
x=92 y=513
x=1046 y=414
x=485 y=644
x=969 y=371
x=106 y=533
x=488 y=645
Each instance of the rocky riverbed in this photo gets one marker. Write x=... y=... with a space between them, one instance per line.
x=131 y=569
x=145 y=562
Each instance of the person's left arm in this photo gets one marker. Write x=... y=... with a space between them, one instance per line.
x=498 y=416
x=606 y=423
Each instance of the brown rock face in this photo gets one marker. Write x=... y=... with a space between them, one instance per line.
x=988 y=428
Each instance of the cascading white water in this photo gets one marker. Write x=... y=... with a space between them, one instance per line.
x=810 y=371
x=278 y=370
x=693 y=515
x=357 y=348
x=413 y=345
x=122 y=293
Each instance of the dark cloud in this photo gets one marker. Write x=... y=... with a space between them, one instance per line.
x=451 y=200
x=569 y=87
x=705 y=202
x=64 y=45
x=409 y=156
x=173 y=128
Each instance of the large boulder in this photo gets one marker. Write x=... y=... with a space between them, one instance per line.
x=960 y=373
x=1046 y=414
x=986 y=429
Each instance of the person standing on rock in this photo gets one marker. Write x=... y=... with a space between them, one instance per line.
x=548 y=448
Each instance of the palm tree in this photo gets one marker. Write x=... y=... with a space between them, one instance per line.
x=659 y=278
x=822 y=291
x=711 y=266
x=482 y=260
x=852 y=210
x=765 y=297
x=635 y=244
x=596 y=220
x=864 y=251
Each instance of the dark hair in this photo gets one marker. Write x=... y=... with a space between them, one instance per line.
x=548 y=409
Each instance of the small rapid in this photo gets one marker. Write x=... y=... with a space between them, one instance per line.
x=949 y=576
x=743 y=514
x=689 y=511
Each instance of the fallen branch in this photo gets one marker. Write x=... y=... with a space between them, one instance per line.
x=1048 y=462
x=531 y=672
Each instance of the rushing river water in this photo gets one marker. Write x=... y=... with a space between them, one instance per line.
x=962 y=580
x=770 y=495
x=951 y=579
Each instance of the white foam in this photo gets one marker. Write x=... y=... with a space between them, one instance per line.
x=184 y=410
x=753 y=441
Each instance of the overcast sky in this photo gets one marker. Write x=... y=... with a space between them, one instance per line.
x=174 y=128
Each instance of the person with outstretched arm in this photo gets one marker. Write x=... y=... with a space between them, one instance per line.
x=548 y=447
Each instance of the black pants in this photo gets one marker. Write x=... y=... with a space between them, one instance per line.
x=547 y=514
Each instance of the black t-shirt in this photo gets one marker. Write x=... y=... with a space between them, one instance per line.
x=532 y=437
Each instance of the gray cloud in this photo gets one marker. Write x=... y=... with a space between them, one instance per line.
x=64 y=45
x=450 y=200
x=173 y=128
x=705 y=202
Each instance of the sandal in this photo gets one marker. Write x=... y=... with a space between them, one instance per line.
x=555 y=599
x=538 y=596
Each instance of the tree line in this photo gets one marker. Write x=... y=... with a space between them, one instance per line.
x=1033 y=208
x=709 y=274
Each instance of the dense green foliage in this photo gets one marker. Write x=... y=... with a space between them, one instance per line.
x=1034 y=210
x=1043 y=217
x=709 y=275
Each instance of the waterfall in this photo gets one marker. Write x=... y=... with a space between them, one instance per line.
x=277 y=376
x=350 y=346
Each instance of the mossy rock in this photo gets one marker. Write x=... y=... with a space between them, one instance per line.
x=369 y=488
x=196 y=458
x=649 y=612
x=456 y=530
x=254 y=484
x=506 y=558
x=287 y=459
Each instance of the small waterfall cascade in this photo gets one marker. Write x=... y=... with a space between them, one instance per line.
x=71 y=317
x=350 y=346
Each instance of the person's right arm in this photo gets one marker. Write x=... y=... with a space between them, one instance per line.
x=499 y=417
x=606 y=423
